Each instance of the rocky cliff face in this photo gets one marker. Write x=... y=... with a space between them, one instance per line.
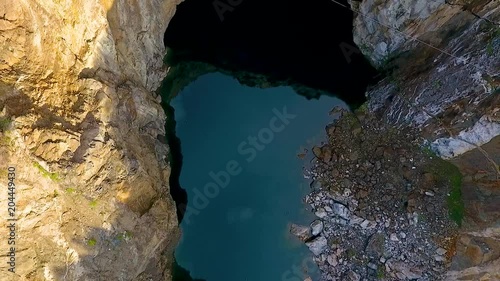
x=82 y=127
x=443 y=59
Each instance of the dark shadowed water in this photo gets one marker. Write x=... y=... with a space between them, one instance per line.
x=244 y=179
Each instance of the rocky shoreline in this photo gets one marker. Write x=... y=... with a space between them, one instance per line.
x=381 y=202
x=391 y=209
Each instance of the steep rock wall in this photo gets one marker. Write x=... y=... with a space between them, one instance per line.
x=82 y=127
x=443 y=61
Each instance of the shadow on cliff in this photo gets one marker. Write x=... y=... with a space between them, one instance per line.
x=98 y=248
x=272 y=43
x=175 y=158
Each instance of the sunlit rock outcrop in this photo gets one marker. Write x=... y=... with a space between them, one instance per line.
x=81 y=125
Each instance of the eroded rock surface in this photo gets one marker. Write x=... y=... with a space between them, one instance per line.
x=383 y=29
x=449 y=90
x=82 y=128
x=478 y=249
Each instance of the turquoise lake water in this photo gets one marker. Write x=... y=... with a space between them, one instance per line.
x=244 y=179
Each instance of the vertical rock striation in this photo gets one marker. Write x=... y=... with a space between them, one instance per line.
x=82 y=127
x=444 y=59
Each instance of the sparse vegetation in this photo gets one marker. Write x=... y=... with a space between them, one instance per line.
x=380 y=273
x=363 y=108
x=388 y=64
x=428 y=151
x=449 y=173
x=5 y=123
x=70 y=190
x=385 y=62
x=5 y=140
x=45 y=173
x=421 y=218
x=364 y=49
x=489 y=48
x=351 y=253
x=455 y=203
x=5 y=126
x=92 y=242
x=437 y=84
x=93 y=203
x=125 y=236
x=491 y=42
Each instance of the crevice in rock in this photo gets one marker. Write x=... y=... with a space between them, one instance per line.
x=485 y=19
x=5 y=18
x=179 y=195
x=469 y=8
